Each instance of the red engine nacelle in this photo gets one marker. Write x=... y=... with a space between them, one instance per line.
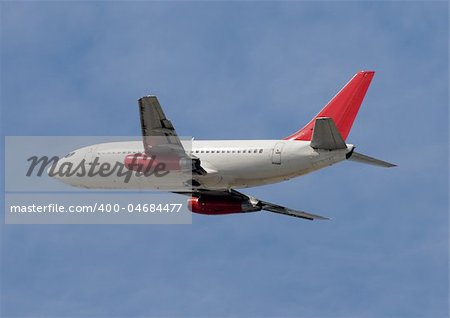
x=218 y=205
x=142 y=162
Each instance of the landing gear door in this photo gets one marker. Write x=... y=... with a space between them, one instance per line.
x=276 y=153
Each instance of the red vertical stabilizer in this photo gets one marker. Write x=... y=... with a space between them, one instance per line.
x=342 y=108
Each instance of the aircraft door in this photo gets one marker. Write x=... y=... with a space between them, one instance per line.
x=276 y=153
x=89 y=154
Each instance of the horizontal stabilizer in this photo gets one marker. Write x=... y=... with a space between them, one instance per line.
x=286 y=211
x=369 y=160
x=326 y=136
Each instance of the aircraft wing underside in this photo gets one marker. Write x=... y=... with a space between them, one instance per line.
x=159 y=135
x=257 y=204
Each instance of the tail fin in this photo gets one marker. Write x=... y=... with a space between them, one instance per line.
x=342 y=108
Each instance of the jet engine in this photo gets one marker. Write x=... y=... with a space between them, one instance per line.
x=218 y=205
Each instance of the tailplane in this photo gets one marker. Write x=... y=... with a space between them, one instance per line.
x=342 y=108
x=326 y=136
x=358 y=157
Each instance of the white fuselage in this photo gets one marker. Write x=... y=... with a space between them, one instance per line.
x=228 y=163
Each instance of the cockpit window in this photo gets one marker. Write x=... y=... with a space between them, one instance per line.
x=70 y=154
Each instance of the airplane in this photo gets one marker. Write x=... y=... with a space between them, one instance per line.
x=217 y=168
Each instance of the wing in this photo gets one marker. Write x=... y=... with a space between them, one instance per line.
x=159 y=135
x=257 y=204
x=286 y=211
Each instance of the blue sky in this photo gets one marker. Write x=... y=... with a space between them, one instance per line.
x=239 y=70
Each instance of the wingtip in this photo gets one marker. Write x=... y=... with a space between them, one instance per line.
x=147 y=96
